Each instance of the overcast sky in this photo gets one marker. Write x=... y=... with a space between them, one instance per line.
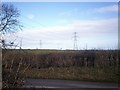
x=54 y=24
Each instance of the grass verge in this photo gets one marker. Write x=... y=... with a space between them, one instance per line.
x=75 y=73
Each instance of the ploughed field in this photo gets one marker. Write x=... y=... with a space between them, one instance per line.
x=85 y=65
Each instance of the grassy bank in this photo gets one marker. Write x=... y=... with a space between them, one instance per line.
x=89 y=65
x=75 y=73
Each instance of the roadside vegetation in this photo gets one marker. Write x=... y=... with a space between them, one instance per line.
x=9 y=24
x=86 y=65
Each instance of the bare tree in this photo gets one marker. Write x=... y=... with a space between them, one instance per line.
x=9 y=21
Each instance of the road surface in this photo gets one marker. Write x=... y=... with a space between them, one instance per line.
x=0 y=85
x=48 y=83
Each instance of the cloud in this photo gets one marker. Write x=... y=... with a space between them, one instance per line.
x=82 y=26
x=30 y=16
x=112 y=8
x=88 y=30
x=69 y=12
x=96 y=26
x=62 y=21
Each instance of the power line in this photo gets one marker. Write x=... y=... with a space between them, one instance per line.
x=75 y=47
x=40 y=44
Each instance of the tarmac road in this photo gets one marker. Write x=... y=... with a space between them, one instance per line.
x=49 y=83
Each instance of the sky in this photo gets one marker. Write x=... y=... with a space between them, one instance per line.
x=51 y=25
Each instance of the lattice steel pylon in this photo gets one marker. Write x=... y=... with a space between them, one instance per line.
x=75 y=47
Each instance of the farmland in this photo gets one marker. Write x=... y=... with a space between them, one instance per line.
x=86 y=65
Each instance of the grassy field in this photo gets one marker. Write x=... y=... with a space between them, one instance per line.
x=88 y=65
x=75 y=73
